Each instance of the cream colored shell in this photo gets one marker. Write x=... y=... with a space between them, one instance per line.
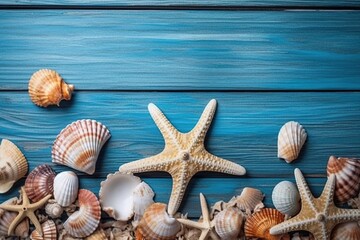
x=54 y=210
x=228 y=223
x=249 y=200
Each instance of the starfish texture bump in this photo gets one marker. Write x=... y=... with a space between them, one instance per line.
x=207 y=226
x=26 y=209
x=317 y=215
x=184 y=154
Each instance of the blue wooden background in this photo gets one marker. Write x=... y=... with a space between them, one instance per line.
x=266 y=62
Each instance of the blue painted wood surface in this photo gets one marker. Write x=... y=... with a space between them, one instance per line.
x=264 y=68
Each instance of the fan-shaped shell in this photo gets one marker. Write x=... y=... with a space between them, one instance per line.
x=347 y=174
x=97 y=235
x=228 y=223
x=46 y=87
x=79 y=144
x=49 y=231
x=286 y=198
x=13 y=165
x=248 y=200
x=66 y=186
x=54 y=210
x=85 y=221
x=258 y=225
x=143 y=197
x=116 y=195
x=156 y=223
x=7 y=217
x=291 y=139
x=346 y=231
x=40 y=182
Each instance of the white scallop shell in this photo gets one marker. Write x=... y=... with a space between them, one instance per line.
x=228 y=223
x=116 y=195
x=143 y=197
x=286 y=198
x=79 y=144
x=7 y=217
x=291 y=138
x=346 y=231
x=66 y=186
x=49 y=231
x=54 y=210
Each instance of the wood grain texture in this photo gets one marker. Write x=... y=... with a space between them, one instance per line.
x=244 y=130
x=183 y=50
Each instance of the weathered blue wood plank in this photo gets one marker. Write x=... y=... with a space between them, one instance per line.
x=183 y=50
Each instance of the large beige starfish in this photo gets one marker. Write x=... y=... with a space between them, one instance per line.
x=318 y=215
x=184 y=154
x=26 y=209
x=207 y=227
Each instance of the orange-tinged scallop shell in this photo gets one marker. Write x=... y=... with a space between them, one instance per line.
x=49 y=231
x=46 y=87
x=249 y=200
x=347 y=174
x=156 y=224
x=40 y=182
x=86 y=220
x=258 y=225
x=97 y=235
x=7 y=217
x=346 y=231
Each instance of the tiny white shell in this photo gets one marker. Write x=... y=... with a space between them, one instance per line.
x=54 y=210
x=66 y=186
x=286 y=198
x=228 y=223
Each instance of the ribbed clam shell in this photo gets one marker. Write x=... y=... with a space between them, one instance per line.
x=49 y=231
x=286 y=198
x=66 y=186
x=143 y=197
x=54 y=210
x=40 y=182
x=13 y=165
x=258 y=225
x=97 y=235
x=347 y=174
x=6 y=218
x=228 y=223
x=346 y=231
x=85 y=221
x=156 y=224
x=46 y=87
x=291 y=139
x=79 y=144
x=249 y=199
x=116 y=195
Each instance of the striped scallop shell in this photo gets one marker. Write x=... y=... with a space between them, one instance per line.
x=7 y=217
x=156 y=224
x=249 y=200
x=228 y=223
x=286 y=198
x=258 y=225
x=46 y=87
x=97 y=235
x=79 y=144
x=86 y=220
x=40 y=182
x=66 y=186
x=346 y=231
x=291 y=138
x=13 y=165
x=347 y=174
x=49 y=231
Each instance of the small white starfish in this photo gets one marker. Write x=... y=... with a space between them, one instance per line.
x=207 y=227
x=317 y=215
x=184 y=154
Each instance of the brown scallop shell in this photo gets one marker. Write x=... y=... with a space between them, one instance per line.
x=249 y=200
x=346 y=231
x=49 y=231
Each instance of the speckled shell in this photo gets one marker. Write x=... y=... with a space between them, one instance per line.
x=85 y=221
x=286 y=198
x=46 y=87
x=13 y=165
x=49 y=232
x=291 y=139
x=347 y=174
x=248 y=200
x=54 y=210
x=40 y=183
x=346 y=231
x=116 y=195
x=258 y=225
x=143 y=197
x=7 y=217
x=97 y=235
x=66 y=186
x=156 y=224
x=228 y=223
x=79 y=144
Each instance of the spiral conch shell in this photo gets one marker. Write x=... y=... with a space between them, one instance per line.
x=228 y=223
x=49 y=232
x=54 y=210
x=79 y=144
x=346 y=231
x=6 y=218
x=66 y=186
x=46 y=87
x=291 y=139
x=85 y=221
x=157 y=224
x=13 y=165
x=286 y=198
x=347 y=174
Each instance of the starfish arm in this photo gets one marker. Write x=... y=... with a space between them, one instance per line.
x=328 y=191
x=305 y=193
x=15 y=222
x=41 y=203
x=214 y=236
x=150 y=164
x=25 y=198
x=12 y=208
x=190 y=223
x=35 y=221
x=293 y=224
x=345 y=215
x=204 y=234
x=204 y=208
